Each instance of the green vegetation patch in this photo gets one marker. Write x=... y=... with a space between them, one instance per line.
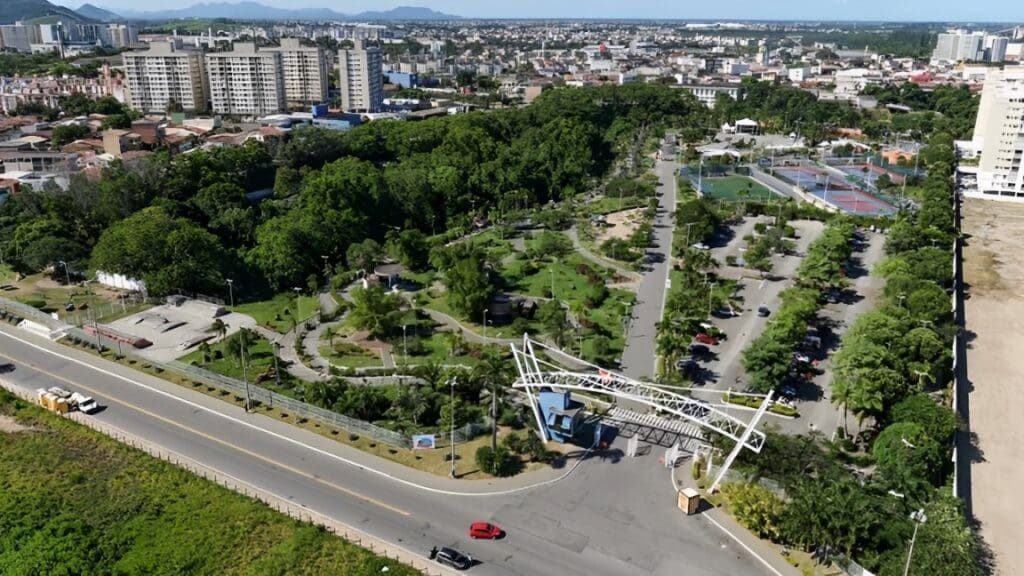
x=75 y=502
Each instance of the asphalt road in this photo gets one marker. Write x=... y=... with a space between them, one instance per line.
x=611 y=516
x=638 y=358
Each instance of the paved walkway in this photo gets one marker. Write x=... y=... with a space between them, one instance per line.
x=599 y=260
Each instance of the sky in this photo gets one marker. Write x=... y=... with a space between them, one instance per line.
x=874 y=10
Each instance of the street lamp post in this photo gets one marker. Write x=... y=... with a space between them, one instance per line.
x=452 y=418
x=485 y=326
x=67 y=275
x=241 y=334
x=405 y=347
x=919 y=517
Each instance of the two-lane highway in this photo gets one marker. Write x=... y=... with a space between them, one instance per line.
x=598 y=520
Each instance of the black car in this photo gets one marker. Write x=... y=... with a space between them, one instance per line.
x=699 y=350
x=454 y=558
x=6 y=367
x=763 y=312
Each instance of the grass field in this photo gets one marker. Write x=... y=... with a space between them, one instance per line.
x=259 y=359
x=76 y=502
x=277 y=313
x=730 y=189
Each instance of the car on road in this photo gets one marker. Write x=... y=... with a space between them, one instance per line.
x=763 y=312
x=484 y=531
x=706 y=339
x=453 y=558
x=6 y=367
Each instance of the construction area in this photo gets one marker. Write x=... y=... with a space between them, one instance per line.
x=994 y=310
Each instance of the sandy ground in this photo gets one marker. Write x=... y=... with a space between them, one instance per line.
x=621 y=224
x=8 y=424
x=994 y=273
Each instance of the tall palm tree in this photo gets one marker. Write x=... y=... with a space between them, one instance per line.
x=219 y=328
x=493 y=368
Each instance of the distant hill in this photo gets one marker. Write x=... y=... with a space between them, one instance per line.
x=248 y=10
x=98 y=14
x=12 y=11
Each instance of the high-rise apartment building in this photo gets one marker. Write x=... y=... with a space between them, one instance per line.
x=361 y=78
x=305 y=73
x=961 y=46
x=16 y=37
x=122 y=35
x=165 y=78
x=246 y=81
x=999 y=134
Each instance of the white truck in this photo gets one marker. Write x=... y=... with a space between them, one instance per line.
x=61 y=401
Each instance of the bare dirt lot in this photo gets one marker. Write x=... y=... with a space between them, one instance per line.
x=994 y=273
x=621 y=224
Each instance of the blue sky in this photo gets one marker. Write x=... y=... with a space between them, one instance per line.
x=901 y=10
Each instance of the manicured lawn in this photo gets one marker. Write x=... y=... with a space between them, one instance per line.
x=76 y=502
x=279 y=312
x=608 y=205
x=348 y=355
x=728 y=188
x=259 y=359
x=437 y=350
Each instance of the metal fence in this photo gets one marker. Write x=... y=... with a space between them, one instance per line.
x=238 y=388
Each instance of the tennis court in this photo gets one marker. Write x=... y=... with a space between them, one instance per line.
x=869 y=174
x=834 y=191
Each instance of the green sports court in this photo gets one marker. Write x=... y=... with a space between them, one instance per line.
x=733 y=188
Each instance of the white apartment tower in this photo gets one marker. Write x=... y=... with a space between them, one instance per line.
x=999 y=134
x=246 y=81
x=165 y=77
x=361 y=78
x=305 y=73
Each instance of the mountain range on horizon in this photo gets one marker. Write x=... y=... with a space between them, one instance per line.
x=21 y=10
x=249 y=10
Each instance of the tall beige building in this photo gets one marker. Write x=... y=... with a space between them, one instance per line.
x=165 y=77
x=246 y=81
x=999 y=134
x=361 y=78
x=305 y=73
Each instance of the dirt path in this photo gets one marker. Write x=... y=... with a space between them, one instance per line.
x=994 y=273
x=10 y=425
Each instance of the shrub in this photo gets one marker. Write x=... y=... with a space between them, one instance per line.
x=756 y=508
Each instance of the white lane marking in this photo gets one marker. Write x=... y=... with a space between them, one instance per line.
x=675 y=488
x=292 y=440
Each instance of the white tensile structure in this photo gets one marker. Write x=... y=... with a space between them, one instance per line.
x=536 y=374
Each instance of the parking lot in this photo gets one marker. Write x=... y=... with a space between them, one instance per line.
x=721 y=369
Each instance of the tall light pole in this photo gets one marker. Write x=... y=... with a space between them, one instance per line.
x=452 y=418
x=919 y=517
x=688 y=226
x=405 y=348
x=241 y=334
x=67 y=275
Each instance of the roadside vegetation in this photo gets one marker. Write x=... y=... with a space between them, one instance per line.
x=76 y=502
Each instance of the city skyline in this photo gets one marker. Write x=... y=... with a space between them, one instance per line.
x=834 y=10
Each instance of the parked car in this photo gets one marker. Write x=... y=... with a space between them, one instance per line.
x=6 y=367
x=699 y=350
x=706 y=339
x=763 y=312
x=453 y=558
x=484 y=530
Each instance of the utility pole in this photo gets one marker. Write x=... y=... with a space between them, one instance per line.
x=452 y=418
x=241 y=335
x=919 y=518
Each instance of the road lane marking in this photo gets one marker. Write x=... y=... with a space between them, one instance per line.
x=284 y=438
x=215 y=440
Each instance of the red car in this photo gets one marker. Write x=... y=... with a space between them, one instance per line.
x=707 y=339
x=484 y=530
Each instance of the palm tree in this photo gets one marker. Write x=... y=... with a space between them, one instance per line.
x=330 y=332
x=495 y=369
x=219 y=328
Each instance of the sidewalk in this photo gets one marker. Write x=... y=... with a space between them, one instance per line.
x=633 y=275
x=759 y=549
